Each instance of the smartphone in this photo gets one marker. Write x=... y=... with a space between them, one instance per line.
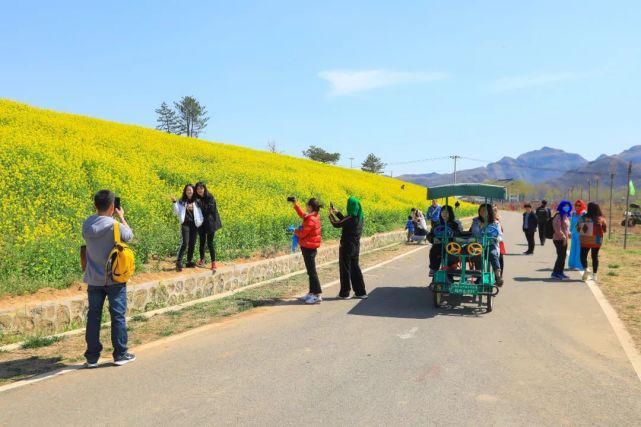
x=291 y=199
x=117 y=203
x=331 y=205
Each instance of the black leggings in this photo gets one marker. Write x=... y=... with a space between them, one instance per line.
x=188 y=232
x=561 y=254
x=351 y=276
x=595 y=258
x=208 y=238
x=309 y=256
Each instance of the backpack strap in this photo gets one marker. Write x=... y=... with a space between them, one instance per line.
x=117 y=232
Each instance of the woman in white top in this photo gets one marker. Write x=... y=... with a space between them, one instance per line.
x=188 y=211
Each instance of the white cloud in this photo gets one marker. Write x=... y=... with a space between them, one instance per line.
x=345 y=82
x=505 y=84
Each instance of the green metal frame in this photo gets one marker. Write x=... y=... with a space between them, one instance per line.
x=493 y=192
x=443 y=282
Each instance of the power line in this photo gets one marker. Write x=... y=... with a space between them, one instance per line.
x=419 y=161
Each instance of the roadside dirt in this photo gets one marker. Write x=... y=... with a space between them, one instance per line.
x=156 y=270
x=26 y=363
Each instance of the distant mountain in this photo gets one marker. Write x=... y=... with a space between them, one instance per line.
x=427 y=179
x=602 y=167
x=535 y=166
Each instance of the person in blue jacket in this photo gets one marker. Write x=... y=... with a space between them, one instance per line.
x=434 y=213
x=574 y=260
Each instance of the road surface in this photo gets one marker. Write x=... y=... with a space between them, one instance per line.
x=546 y=355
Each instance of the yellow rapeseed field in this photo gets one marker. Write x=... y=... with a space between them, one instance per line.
x=51 y=164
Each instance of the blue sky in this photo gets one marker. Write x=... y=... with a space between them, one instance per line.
x=406 y=80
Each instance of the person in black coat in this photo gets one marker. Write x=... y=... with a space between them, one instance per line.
x=211 y=224
x=351 y=225
x=543 y=215
x=530 y=223
x=448 y=218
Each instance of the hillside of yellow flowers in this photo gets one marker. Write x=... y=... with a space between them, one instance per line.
x=51 y=164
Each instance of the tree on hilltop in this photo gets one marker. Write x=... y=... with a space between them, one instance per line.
x=272 y=147
x=373 y=164
x=192 y=116
x=320 y=155
x=167 y=119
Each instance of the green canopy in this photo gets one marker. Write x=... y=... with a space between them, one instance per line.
x=495 y=192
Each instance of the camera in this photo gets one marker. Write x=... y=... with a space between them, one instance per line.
x=291 y=199
x=117 y=203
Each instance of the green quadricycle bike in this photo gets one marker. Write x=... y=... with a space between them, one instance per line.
x=465 y=274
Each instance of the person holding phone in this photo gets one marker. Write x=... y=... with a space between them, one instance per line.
x=351 y=276
x=211 y=224
x=309 y=240
x=188 y=211
x=98 y=233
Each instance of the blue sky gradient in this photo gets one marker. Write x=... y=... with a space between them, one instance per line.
x=405 y=80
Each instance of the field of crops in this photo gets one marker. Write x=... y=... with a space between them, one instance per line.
x=51 y=164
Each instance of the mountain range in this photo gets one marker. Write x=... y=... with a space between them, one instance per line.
x=546 y=165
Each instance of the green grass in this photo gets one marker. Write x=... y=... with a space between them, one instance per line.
x=139 y=318
x=37 y=342
x=166 y=332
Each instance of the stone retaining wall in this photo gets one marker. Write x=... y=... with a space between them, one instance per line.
x=62 y=314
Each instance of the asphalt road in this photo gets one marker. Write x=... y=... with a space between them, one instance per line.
x=546 y=355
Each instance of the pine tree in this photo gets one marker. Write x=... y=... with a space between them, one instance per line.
x=192 y=116
x=167 y=119
x=373 y=164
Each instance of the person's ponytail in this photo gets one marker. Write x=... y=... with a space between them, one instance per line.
x=315 y=204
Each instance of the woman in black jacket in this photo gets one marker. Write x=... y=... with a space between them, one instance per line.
x=351 y=225
x=211 y=224
x=448 y=218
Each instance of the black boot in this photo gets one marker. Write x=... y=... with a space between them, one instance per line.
x=179 y=266
x=498 y=276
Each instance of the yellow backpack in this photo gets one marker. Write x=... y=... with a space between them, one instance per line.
x=121 y=262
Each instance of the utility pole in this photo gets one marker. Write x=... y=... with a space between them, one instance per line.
x=627 y=208
x=610 y=222
x=351 y=163
x=455 y=158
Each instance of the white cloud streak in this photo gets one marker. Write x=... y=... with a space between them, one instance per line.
x=346 y=82
x=506 y=84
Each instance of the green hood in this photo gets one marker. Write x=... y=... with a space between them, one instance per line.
x=354 y=208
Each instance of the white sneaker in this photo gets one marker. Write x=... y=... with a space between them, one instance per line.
x=304 y=297
x=314 y=299
x=586 y=275
x=360 y=296
x=594 y=277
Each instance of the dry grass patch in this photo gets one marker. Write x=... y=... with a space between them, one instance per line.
x=620 y=282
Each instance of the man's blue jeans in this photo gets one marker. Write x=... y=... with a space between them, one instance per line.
x=117 y=295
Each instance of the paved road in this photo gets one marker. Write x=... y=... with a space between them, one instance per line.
x=545 y=356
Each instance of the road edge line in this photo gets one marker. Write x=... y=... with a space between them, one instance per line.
x=152 y=344
x=622 y=334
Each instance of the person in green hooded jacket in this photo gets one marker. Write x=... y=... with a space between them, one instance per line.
x=351 y=226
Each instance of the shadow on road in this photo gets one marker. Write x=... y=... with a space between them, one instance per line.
x=547 y=280
x=410 y=303
x=29 y=367
x=399 y=302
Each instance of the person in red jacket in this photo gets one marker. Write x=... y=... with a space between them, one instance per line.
x=309 y=240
